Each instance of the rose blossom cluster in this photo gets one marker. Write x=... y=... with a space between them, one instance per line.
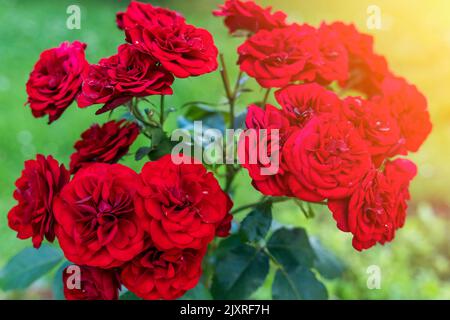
x=160 y=46
x=334 y=148
x=148 y=231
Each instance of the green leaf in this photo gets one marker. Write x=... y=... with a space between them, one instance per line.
x=128 y=295
x=142 y=153
x=297 y=284
x=241 y=271
x=58 y=284
x=27 y=266
x=197 y=110
x=210 y=117
x=157 y=136
x=164 y=147
x=226 y=245
x=200 y=292
x=257 y=223
x=328 y=265
x=291 y=248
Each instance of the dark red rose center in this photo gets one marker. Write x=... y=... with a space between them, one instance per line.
x=179 y=199
x=102 y=219
x=336 y=146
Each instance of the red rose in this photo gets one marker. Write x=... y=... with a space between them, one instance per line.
x=40 y=182
x=94 y=284
x=302 y=102
x=327 y=159
x=278 y=57
x=144 y=15
x=366 y=68
x=253 y=144
x=96 y=221
x=400 y=173
x=409 y=107
x=248 y=16
x=56 y=79
x=180 y=206
x=163 y=274
x=377 y=126
x=115 y=80
x=182 y=49
x=107 y=144
x=378 y=206
x=334 y=64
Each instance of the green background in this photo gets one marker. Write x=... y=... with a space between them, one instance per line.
x=416 y=40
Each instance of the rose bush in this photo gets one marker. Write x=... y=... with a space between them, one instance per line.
x=157 y=232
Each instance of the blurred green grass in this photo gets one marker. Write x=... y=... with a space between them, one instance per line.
x=415 y=265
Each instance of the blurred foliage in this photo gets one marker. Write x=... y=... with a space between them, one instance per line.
x=416 y=40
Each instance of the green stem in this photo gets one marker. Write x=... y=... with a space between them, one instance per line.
x=225 y=79
x=231 y=97
x=133 y=108
x=237 y=84
x=266 y=97
x=161 y=111
x=233 y=101
x=231 y=175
